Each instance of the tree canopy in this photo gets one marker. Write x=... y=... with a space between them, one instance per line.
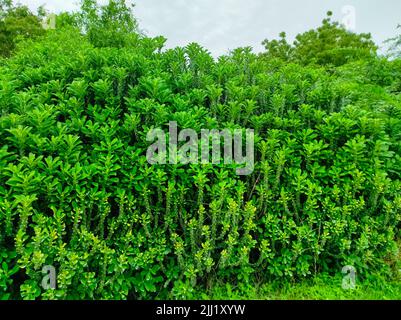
x=329 y=44
x=17 y=22
x=112 y=24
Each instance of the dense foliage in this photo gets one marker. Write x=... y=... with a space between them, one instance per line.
x=77 y=192
x=330 y=44
x=17 y=22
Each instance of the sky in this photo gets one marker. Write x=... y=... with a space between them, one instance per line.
x=223 y=25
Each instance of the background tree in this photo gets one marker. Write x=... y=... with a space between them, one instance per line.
x=17 y=22
x=112 y=24
x=279 y=48
x=330 y=44
x=395 y=48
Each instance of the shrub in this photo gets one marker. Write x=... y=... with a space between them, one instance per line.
x=77 y=192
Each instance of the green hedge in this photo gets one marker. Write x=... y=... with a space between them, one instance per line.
x=77 y=193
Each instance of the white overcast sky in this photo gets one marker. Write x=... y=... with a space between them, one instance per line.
x=221 y=25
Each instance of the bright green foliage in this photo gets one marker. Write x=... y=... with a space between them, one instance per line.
x=330 y=44
x=77 y=192
x=323 y=287
x=16 y=23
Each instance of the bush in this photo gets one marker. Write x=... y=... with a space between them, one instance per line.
x=77 y=192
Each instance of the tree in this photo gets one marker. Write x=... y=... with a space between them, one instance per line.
x=17 y=22
x=279 y=48
x=67 y=19
x=111 y=25
x=330 y=44
x=5 y=5
x=395 y=47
